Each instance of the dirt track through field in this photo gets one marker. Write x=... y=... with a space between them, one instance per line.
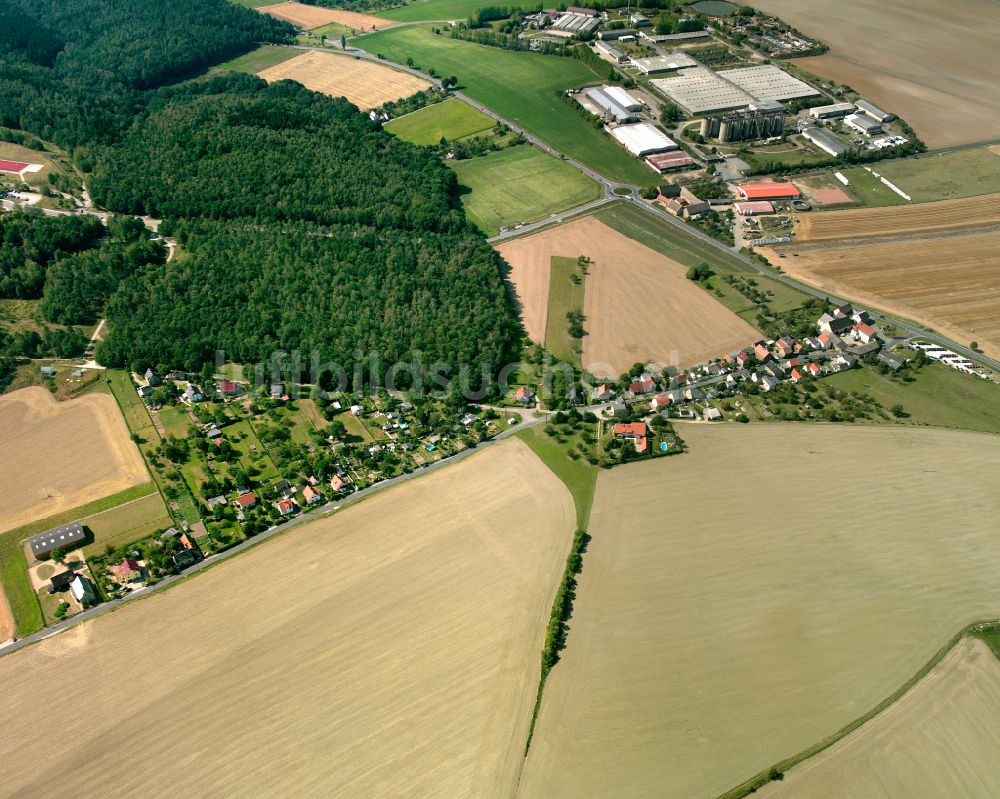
x=59 y=455
x=364 y=83
x=391 y=650
x=309 y=17
x=723 y=622
x=933 y=64
x=940 y=740
x=638 y=304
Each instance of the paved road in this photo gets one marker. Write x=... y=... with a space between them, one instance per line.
x=301 y=519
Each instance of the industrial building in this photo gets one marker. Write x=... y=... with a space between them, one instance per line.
x=768 y=191
x=753 y=208
x=623 y=98
x=700 y=91
x=757 y=121
x=643 y=139
x=611 y=52
x=825 y=140
x=674 y=37
x=768 y=83
x=670 y=162
x=873 y=111
x=575 y=23
x=613 y=108
x=65 y=535
x=830 y=111
x=656 y=65
x=621 y=33
x=862 y=124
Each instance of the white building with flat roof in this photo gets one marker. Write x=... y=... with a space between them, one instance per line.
x=767 y=82
x=664 y=63
x=873 y=111
x=700 y=90
x=623 y=98
x=643 y=139
x=862 y=124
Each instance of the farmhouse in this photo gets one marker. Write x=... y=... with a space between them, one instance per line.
x=768 y=191
x=643 y=139
x=616 y=409
x=82 y=590
x=634 y=431
x=57 y=538
x=338 y=483
x=834 y=325
x=864 y=333
x=144 y=392
x=246 y=500
x=128 y=571
x=285 y=507
x=643 y=385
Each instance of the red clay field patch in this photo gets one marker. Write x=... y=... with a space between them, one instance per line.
x=17 y=167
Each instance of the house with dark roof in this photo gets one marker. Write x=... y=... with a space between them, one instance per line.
x=61 y=581
x=894 y=362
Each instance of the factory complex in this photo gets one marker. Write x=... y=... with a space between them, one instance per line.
x=700 y=90
x=643 y=139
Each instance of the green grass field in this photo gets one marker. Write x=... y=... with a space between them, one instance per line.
x=579 y=476
x=522 y=87
x=564 y=296
x=520 y=184
x=14 y=567
x=261 y=58
x=451 y=120
x=254 y=3
x=175 y=421
x=133 y=409
x=332 y=31
x=422 y=10
x=868 y=189
x=253 y=455
x=964 y=173
x=940 y=396
x=127 y=523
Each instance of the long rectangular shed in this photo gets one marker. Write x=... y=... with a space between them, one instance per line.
x=873 y=111
x=600 y=97
x=664 y=63
x=58 y=537
x=643 y=139
x=826 y=140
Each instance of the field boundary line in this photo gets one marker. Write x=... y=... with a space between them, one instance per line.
x=124 y=504
x=777 y=771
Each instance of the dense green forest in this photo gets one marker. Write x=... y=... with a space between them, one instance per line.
x=76 y=71
x=30 y=242
x=304 y=225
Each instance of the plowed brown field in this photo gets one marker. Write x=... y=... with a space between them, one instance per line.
x=899 y=220
x=59 y=455
x=933 y=64
x=638 y=304
x=390 y=650
x=940 y=739
x=309 y=17
x=364 y=83
x=935 y=263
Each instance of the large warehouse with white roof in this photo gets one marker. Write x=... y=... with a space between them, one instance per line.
x=643 y=139
x=700 y=91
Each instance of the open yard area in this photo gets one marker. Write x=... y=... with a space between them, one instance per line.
x=932 y=65
x=60 y=455
x=449 y=120
x=391 y=649
x=940 y=739
x=127 y=523
x=522 y=87
x=308 y=17
x=710 y=639
x=364 y=83
x=638 y=304
x=519 y=184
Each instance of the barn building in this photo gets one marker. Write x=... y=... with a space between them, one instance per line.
x=768 y=191
x=65 y=535
x=643 y=139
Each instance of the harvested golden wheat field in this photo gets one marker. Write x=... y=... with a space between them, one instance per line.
x=899 y=220
x=390 y=650
x=745 y=600
x=59 y=455
x=308 y=17
x=364 y=83
x=939 y=740
x=933 y=64
x=949 y=284
x=638 y=304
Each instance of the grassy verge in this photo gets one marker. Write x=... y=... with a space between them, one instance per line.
x=565 y=297
x=256 y=60
x=522 y=87
x=579 y=476
x=868 y=189
x=519 y=184
x=449 y=120
x=778 y=770
x=14 y=567
x=133 y=409
x=989 y=634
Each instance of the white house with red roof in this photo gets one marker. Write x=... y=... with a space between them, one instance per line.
x=864 y=333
